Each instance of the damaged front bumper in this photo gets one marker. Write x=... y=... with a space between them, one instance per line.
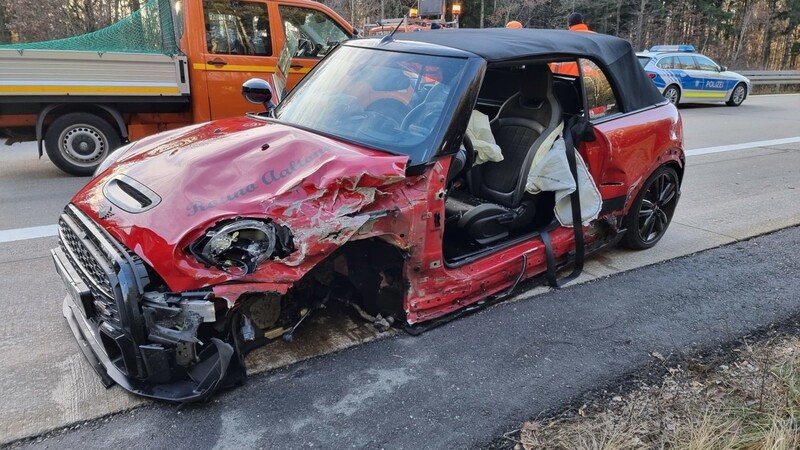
x=104 y=309
x=185 y=391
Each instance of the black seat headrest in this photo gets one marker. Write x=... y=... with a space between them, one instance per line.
x=536 y=83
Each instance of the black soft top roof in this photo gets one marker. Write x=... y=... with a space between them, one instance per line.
x=497 y=45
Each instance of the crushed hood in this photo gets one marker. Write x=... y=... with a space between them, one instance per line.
x=243 y=167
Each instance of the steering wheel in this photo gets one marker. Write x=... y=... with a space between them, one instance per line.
x=469 y=150
x=382 y=121
x=420 y=113
x=464 y=157
x=378 y=126
x=305 y=48
x=389 y=107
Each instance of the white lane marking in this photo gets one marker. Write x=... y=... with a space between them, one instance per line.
x=742 y=146
x=19 y=234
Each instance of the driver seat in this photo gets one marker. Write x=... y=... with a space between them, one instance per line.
x=527 y=123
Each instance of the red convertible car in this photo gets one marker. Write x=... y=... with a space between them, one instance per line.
x=412 y=177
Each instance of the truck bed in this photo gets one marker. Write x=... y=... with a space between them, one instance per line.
x=33 y=73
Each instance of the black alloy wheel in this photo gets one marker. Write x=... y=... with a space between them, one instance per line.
x=651 y=212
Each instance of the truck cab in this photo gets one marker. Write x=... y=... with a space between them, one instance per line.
x=242 y=40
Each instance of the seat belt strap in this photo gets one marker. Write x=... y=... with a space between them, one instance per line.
x=576 y=127
x=579 y=126
x=552 y=280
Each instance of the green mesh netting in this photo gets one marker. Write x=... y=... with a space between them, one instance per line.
x=148 y=30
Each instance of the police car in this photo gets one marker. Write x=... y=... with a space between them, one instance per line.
x=685 y=76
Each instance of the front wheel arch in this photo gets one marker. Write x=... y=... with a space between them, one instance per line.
x=375 y=268
x=368 y=274
x=371 y=269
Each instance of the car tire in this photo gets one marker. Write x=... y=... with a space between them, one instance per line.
x=738 y=95
x=78 y=142
x=673 y=94
x=652 y=210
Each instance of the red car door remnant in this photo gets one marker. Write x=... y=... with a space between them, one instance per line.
x=627 y=149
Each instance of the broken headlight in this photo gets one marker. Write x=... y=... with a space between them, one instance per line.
x=239 y=247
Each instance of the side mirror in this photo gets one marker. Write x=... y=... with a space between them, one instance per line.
x=723 y=68
x=258 y=91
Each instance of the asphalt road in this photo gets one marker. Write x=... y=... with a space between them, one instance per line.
x=45 y=383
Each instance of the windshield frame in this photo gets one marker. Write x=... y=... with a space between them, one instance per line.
x=445 y=137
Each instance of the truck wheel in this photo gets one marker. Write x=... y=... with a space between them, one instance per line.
x=78 y=142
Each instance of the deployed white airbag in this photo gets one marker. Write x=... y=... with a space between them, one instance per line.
x=480 y=133
x=550 y=172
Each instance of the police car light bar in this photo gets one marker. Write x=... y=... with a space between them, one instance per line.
x=673 y=48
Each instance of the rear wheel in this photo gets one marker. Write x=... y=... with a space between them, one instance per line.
x=78 y=142
x=673 y=94
x=651 y=212
x=737 y=96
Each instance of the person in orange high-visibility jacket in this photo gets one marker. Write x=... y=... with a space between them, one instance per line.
x=575 y=22
x=514 y=24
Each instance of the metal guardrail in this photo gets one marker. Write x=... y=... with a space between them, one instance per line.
x=775 y=77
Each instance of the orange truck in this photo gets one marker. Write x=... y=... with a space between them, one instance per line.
x=79 y=105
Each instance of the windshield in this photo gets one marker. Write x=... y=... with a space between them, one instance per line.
x=643 y=60
x=384 y=100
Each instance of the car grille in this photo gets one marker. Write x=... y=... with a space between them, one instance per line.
x=94 y=273
x=97 y=259
x=115 y=277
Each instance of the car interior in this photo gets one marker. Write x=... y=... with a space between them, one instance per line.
x=487 y=206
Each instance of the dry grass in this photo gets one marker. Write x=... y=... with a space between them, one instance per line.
x=751 y=403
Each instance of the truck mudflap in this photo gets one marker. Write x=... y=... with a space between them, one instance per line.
x=218 y=364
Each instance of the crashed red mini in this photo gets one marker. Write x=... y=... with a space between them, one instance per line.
x=412 y=178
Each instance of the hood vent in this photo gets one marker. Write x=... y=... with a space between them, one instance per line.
x=130 y=195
